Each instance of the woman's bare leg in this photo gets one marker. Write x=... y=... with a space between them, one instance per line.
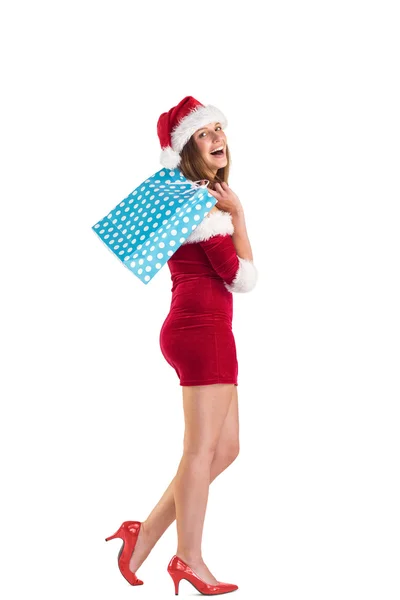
x=164 y=513
x=205 y=409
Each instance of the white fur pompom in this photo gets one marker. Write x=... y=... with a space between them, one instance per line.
x=169 y=158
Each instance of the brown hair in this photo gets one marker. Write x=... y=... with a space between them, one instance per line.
x=194 y=168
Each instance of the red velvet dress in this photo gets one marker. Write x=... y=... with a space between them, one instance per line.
x=196 y=338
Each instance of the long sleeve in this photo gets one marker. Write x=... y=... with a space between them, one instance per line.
x=239 y=274
x=213 y=234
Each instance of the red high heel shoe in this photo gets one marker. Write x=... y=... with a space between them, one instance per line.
x=128 y=532
x=178 y=570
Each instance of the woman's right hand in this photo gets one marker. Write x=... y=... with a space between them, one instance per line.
x=227 y=200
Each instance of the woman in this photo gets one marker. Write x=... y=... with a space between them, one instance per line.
x=196 y=339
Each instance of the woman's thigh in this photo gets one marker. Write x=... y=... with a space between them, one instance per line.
x=228 y=442
x=205 y=410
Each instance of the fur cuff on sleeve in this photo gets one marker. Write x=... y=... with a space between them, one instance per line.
x=246 y=277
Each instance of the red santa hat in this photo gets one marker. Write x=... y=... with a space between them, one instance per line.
x=175 y=127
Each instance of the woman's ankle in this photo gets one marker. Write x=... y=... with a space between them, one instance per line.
x=191 y=559
x=146 y=534
x=152 y=534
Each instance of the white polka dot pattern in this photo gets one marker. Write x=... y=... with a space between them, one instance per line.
x=149 y=225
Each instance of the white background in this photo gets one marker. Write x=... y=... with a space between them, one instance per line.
x=91 y=416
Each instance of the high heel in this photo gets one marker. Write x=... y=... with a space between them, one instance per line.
x=128 y=532
x=178 y=570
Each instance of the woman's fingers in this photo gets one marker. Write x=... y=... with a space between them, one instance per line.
x=220 y=191
x=215 y=195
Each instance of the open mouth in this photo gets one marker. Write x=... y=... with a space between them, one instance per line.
x=218 y=151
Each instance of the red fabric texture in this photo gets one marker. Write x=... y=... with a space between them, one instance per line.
x=196 y=338
x=171 y=119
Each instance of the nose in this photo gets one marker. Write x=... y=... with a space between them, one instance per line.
x=217 y=137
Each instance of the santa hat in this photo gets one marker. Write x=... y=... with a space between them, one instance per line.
x=175 y=127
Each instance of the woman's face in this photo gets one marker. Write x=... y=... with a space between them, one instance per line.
x=209 y=139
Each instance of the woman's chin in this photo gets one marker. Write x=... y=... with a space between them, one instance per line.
x=217 y=163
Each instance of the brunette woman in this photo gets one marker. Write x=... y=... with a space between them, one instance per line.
x=197 y=340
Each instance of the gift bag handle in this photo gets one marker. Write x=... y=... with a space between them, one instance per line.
x=194 y=185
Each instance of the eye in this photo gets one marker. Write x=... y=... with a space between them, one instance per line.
x=205 y=132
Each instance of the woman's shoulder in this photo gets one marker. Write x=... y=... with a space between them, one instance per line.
x=216 y=222
x=214 y=210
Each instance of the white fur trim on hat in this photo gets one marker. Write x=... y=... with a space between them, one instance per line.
x=246 y=277
x=169 y=158
x=215 y=223
x=197 y=118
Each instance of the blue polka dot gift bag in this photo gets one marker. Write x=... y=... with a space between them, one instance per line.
x=149 y=225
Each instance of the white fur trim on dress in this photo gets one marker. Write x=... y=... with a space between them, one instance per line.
x=215 y=223
x=196 y=119
x=169 y=158
x=246 y=277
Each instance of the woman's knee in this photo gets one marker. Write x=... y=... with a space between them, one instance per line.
x=196 y=447
x=227 y=453
x=198 y=457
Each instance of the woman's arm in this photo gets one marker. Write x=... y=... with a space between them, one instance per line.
x=239 y=237
x=228 y=201
x=239 y=274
